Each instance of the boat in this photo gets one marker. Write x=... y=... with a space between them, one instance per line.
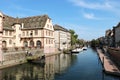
x=84 y=48
x=38 y=60
x=77 y=50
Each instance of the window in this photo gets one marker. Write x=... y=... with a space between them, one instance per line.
x=47 y=25
x=10 y=41
x=19 y=35
x=38 y=43
x=6 y=33
x=46 y=32
x=50 y=27
x=49 y=33
x=23 y=33
x=36 y=32
x=10 y=33
x=31 y=34
x=49 y=41
x=46 y=41
x=52 y=34
x=27 y=33
x=25 y=44
x=19 y=28
x=49 y=20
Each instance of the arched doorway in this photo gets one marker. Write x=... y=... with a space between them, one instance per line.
x=38 y=44
x=31 y=43
x=25 y=43
x=4 y=44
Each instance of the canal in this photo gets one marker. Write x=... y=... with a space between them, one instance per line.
x=83 y=66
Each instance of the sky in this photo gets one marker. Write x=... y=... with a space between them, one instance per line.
x=88 y=18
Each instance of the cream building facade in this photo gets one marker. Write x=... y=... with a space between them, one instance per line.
x=62 y=38
x=36 y=31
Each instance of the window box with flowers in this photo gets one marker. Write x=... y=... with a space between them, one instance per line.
x=29 y=47
x=4 y=49
x=23 y=48
x=16 y=48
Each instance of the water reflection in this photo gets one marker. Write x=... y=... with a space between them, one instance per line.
x=53 y=65
x=85 y=66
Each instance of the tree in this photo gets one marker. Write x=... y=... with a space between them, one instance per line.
x=74 y=37
x=95 y=43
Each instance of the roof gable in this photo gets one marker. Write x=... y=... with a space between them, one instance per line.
x=58 y=27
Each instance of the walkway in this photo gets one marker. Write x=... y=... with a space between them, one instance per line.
x=108 y=65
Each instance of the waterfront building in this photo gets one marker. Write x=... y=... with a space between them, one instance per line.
x=109 y=37
x=62 y=38
x=1 y=31
x=35 y=31
x=117 y=35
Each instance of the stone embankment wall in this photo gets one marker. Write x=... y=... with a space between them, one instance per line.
x=18 y=57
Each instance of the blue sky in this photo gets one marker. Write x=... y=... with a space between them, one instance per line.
x=88 y=18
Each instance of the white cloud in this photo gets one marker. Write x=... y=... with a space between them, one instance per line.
x=92 y=5
x=106 y=5
x=89 y=16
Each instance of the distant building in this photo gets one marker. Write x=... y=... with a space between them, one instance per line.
x=62 y=37
x=109 y=37
x=117 y=34
x=36 y=31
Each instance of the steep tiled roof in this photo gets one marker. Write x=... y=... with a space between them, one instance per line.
x=8 y=28
x=8 y=21
x=29 y=22
x=34 y=22
x=58 y=27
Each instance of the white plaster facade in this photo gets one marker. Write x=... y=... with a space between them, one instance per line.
x=62 y=38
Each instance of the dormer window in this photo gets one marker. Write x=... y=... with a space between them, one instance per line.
x=49 y=20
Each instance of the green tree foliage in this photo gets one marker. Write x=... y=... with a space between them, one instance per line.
x=74 y=37
x=94 y=43
x=81 y=42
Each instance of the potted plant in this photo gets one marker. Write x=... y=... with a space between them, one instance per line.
x=23 y=48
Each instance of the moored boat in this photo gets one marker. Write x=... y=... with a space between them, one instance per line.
x=77 y=50
x=38 y=60
x=84 y=48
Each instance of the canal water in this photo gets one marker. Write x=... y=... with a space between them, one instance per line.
x=83 y=66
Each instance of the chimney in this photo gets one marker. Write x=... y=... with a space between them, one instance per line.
x=22 y=25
